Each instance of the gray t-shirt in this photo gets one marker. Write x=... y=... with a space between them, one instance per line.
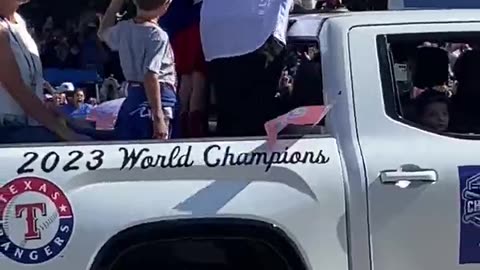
x=142 y=48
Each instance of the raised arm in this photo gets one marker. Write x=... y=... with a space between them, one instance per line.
x=109 y=18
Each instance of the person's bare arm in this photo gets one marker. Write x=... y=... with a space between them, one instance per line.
x=12 y=82
x=152 y=89
x=157 y=53
x=109 y=18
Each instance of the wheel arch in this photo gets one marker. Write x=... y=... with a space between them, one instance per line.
x=203 y=227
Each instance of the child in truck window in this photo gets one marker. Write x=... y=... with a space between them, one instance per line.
x=432 y=109
x=147 y=62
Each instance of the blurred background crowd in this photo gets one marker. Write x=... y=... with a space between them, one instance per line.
x=65 y=32
x=80 y=71
x=74 y=58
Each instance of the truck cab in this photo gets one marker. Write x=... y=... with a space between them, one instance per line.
x=375 y=189
x=429 y=223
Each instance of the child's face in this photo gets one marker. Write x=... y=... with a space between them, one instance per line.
x=436 y=116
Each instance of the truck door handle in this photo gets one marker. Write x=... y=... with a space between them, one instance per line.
x=418 y=175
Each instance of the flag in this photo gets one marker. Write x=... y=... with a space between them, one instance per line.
x=308 y=115
x=105 y=114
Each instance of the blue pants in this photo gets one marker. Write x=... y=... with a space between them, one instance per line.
x=134 y=120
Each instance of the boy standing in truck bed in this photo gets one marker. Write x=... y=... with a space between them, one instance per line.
x=147 y=62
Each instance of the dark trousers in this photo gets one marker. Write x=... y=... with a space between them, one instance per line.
x=245 y=87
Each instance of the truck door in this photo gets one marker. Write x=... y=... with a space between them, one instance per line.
x=423 y=183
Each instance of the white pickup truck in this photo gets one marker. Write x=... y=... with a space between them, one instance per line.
x=374 y=191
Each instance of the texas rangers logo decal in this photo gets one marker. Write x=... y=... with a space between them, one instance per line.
x=36 y=220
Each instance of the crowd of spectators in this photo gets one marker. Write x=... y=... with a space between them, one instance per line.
x=66 y=35
x=85 y=37
x=67 y=38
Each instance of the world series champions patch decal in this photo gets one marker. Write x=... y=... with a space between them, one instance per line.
x=470 y=214
x=36 y=220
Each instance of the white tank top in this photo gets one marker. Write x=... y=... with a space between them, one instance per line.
x=26 y=53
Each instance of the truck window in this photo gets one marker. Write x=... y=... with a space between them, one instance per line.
x=92 y=113
x=431 y=80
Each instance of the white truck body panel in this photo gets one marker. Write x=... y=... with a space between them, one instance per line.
x=418 y=227
x=354 y=70
x=334 y=210
x=337 y=89
x=300 y=199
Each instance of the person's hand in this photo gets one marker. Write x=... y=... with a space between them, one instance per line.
x=286 y=83
x=160 y=129
x=303 y=57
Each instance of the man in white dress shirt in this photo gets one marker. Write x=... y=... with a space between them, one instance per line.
x=244 y=43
